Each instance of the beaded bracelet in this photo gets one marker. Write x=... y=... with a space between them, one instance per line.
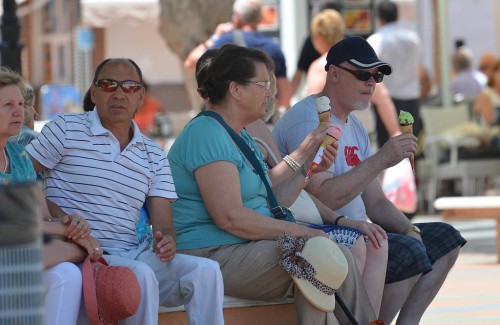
x=292 y=163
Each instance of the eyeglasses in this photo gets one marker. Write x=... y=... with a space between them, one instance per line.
x=264 y=84
x=110 y=85
x=364 y=75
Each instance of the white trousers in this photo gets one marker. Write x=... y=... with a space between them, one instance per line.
x=194 y=282
x=63 y=292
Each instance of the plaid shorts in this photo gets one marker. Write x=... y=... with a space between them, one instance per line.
x=409 y=257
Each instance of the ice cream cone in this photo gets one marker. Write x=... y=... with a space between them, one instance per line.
x=406 y=123
x=323 y=109
x=409 y=129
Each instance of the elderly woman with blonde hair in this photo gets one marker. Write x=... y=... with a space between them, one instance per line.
x=62 y=279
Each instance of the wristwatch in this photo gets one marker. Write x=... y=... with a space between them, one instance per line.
x=411 y=228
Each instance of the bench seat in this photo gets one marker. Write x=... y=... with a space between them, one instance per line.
x=240 y=312
x=471 y=207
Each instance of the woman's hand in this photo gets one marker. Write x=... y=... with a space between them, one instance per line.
x=374 y=232
x=309 y=146
x=327 y=158
x=91 y=245
x=312 y=232
x=77 y=227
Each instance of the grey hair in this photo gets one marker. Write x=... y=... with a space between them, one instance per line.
x=249 y=10
x=28 y=93
x=462 y=59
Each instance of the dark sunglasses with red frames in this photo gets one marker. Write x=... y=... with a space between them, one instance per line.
x=364 y=75
x=110 y=85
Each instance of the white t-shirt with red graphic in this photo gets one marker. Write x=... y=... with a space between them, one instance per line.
x=354 y=144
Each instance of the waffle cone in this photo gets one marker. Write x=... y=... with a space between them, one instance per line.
x=324 y=117
x=409 y=129
x=328 y=139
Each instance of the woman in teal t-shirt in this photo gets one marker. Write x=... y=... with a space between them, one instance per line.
x=222 y=212
x=17 y=166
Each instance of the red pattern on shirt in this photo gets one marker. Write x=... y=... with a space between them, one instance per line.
x=351 y=157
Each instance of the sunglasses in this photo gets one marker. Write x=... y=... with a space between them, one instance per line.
x=363 y=75
x=110 y=85
x=264 y=84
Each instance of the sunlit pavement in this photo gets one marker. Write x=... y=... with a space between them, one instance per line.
x=471 y=293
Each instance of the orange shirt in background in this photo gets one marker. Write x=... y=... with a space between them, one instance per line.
x=145 y=115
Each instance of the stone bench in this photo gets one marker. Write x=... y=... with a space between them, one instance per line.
x=471 y=207
x=240 y=312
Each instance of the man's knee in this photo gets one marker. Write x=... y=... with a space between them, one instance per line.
x=406 y=251
x=145 y=275
x=206 y=263
x=208 y=268
x=407 y=258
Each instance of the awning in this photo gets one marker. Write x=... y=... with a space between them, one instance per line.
x=102 y=13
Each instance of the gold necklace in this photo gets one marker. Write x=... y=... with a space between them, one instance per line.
x=6 y=162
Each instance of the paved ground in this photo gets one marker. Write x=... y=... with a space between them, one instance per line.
x=471 y=294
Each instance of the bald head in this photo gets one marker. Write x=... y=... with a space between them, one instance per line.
x=118 y=61
x=487 y=63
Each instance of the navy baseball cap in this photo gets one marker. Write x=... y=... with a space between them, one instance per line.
x=357 y=52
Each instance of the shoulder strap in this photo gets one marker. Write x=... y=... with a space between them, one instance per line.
x=273 y=203
x=238 y=37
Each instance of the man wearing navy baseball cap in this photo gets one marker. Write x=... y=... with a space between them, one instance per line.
x=358 y=53
x=419 y=256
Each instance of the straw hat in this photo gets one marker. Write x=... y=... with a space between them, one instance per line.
x=111 y=293
x=317 y=266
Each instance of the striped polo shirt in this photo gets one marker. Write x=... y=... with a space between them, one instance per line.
x=89 y=176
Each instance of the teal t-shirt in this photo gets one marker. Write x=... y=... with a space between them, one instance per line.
x=204 y=141
x=21 y=168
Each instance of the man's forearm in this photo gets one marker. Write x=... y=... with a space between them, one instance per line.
x=163 y=226
x=160 y=216
x=337 y=191
x=386 y=215
x=194 y=55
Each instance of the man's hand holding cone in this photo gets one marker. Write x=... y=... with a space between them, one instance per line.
x=406 y=122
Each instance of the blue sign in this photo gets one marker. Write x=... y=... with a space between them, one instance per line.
x=84 y=38
x=58 y=99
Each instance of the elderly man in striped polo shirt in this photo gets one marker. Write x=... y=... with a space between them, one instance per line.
x=100 y=167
